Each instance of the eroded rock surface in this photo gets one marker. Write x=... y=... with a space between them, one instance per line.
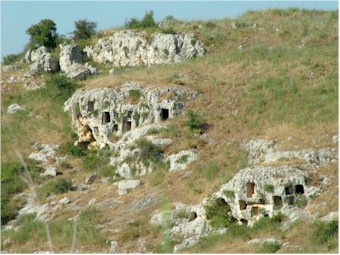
x=41 y=60
x=128 y=48
x=71 y=58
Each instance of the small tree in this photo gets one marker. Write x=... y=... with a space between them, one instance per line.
x=146 y=22
x=84 y=29
x=43 y=34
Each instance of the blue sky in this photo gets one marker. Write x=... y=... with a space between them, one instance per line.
x=17 y=16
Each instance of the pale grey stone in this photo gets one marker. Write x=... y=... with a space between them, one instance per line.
x=64 y=201
x=46 y=151
x=331 y=216
x=14 y=108
x=128 y=48
x=126 y=186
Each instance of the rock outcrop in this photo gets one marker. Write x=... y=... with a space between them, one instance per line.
x=263 y=151
x=120 y=118
x=14 y=108
x=45 y=152
x=71 y=59
x=99 y=114
x=41 y=61
x=128 y=48
x=256 y=191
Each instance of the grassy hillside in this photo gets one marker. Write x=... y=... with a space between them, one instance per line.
x=267 y=74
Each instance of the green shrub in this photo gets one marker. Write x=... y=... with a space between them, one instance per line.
x=325 y=232
x=268 y=188
x=229 y=194
x=196 y=122
x=182 y=214
x=135 y=93
x=193 y=42
x=59 y=186
x=269 y=247
x=183 y=159
x=30 y=230
x=12 y=184
x=219 y=213
x=43 y=33
x=84 y=29
x=149 y=152
x=147 y=22
x=60 y=86
x=166 y=52
x=301 y=201
x=77 y=151
x=10 y=59
x=267 y=223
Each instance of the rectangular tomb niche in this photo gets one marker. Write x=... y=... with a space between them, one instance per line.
x=254 y=211
x=126 y=125
x=106 y=117
x=250 y=189
x=243 y=204
x=164 y=113
x=299 y=189
x=90 y=106
x=277 y=202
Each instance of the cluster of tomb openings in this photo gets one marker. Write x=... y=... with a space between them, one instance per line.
x=164 y=114
x=298 y=189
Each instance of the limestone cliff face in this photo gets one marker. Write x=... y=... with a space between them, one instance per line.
x=99 y=114
x=128 y=48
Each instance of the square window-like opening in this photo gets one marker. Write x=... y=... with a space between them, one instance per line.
x=90 y=106
x=250 y=189
x=299 y=189
x=126 y=125
x=289 y=190
x=106 y=117
x=129 y=114
x=164 y=113
x=277 y=202
x=243 y=204
x=254 y=211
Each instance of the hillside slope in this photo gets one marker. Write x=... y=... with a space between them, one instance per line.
x=268 y=75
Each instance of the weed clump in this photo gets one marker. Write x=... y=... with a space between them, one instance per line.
x=196 y=123
x=55 y=186
x=325 y=234
x=149 y=152
x=219 y=213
